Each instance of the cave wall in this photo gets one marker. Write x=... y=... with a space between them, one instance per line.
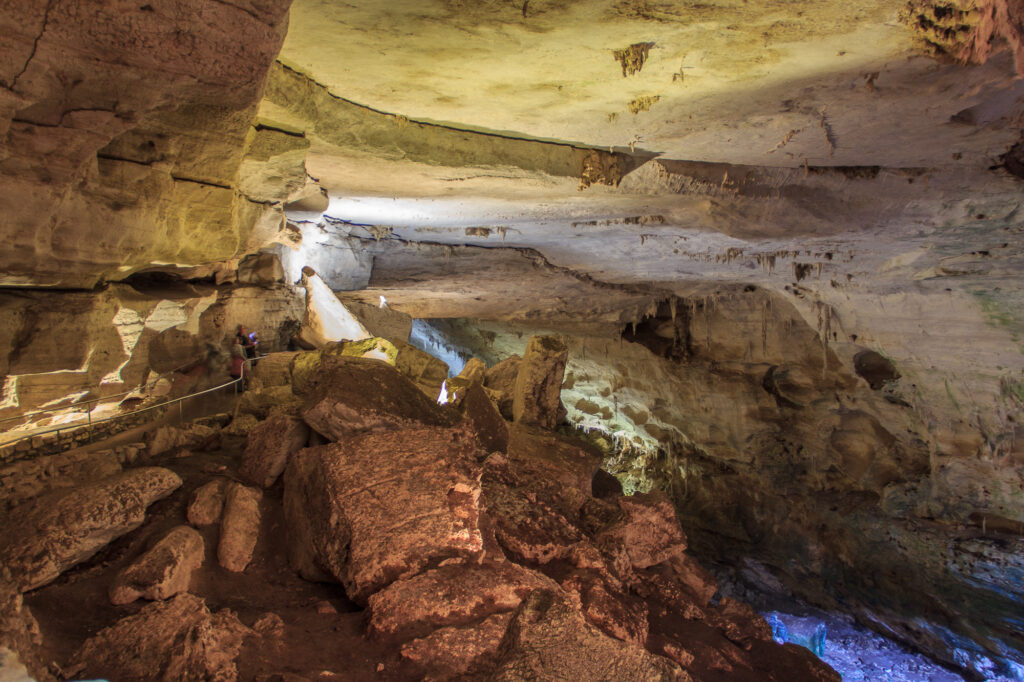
x=895 y=502
x=59 y=348
x=127 y=137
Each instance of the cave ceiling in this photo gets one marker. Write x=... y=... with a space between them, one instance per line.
x=822 y=148
x=608 y=153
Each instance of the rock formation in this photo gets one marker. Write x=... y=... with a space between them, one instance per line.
x=674 y=241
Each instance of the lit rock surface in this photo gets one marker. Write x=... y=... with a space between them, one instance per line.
x=374 y=508
x=163 y=571
x=42 y=539
x=207 y=503
x=455 y=594
x=547 y=633
x=29 y=478
x=239 y=526
x=535 y=395
x=347 y=396
x=269 y=446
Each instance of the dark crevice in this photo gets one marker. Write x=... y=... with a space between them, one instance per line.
x=290 y=133
x=181 y=178
x=35 y=46
x=111 y=157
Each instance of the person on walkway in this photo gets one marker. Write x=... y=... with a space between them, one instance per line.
x=247 y=340
x=238 y=360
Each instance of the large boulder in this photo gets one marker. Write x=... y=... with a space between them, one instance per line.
x=270 y=445
x=422 y=368
x=457 y=651
x=43 y=538
x=454 y=594
x=473 y=371
x=380 y=506
x=239 y=526
x=273 y=369
x=548 y=633
x=501 y=379
x=177 y=639
x=163 y=571
x=646 y=533
x=352 y=395
x=479 y=411
x=192 y=437
x=538 y=387
x=263 y=402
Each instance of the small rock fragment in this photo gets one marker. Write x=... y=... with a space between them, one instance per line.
x=240 y=526
x=163 y=571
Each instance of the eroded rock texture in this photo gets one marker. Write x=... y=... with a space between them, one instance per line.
x=373 y=508
x=48 y=535
x=178 y=639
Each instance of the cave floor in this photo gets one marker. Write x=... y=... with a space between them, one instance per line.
x=323 y=646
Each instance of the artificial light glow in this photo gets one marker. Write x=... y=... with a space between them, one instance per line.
x=383 y=302
x=443 y=398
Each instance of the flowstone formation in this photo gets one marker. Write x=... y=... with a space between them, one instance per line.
x=420 y=551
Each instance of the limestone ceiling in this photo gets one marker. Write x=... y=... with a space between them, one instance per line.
x=814 y=144
x=764 y=83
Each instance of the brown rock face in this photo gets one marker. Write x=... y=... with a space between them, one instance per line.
x=163 y=571
x=177 y=136
x=41 y=539
x=270 y=444
x=473 y=372
x=648 y=532
x=239 y=526
x=455 y=594
x=454 y=651
x=379 y=506
x=535 y=398
x=207 y=503
x=351 y=395
x=621 y=616
x=547 y=634
x=490 y=427
x=274 y=369
x=19 y=631
x=174 y=640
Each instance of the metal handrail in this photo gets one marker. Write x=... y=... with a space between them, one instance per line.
x=74 y=406
x=89 y=425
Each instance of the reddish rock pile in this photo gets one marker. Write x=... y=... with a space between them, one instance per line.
x=476 y=548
